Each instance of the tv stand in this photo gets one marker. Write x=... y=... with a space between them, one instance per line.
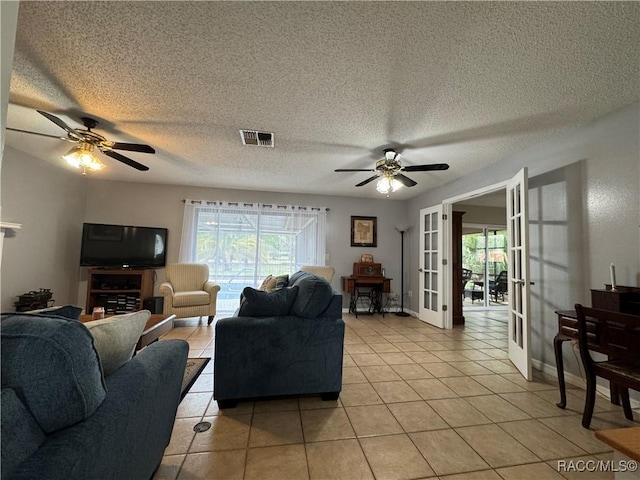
x=123 y=267
x=118 y=290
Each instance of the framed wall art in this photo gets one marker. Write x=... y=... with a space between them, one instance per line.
x=364 y=231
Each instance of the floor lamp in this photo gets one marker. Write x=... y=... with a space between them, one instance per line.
x=402 y=229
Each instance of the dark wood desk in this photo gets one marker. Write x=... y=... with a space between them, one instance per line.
x=567 y=330
x=623 y=299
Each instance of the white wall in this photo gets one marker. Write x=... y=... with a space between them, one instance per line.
x=584 y=214
x=9 y=21
x=49 y=203
x=493 y=216
x=160 y=206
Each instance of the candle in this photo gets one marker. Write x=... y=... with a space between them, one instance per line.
x=612 y=271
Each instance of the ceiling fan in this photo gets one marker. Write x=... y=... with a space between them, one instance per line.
x=82 y=154
x=388 y=171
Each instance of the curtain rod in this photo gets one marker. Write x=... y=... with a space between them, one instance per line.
x=250 y=204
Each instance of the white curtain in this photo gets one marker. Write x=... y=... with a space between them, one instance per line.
x=188 y=239
x=247 y=241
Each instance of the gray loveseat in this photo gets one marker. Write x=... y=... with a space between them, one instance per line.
x=61 y=419
x=285 y=342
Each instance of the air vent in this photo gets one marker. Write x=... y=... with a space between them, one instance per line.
x=259 y=139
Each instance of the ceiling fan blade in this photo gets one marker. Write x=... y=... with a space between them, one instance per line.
x=37 y=133
x=425 y=168
x=125 y=160
x=368 y=180
x=406 y=181
x=132 y=147
x=354 y=170
x=61 y=124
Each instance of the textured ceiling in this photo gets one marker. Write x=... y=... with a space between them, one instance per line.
x=463 y=83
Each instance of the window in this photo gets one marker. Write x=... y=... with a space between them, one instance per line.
x=244 y=242
x=484 y=252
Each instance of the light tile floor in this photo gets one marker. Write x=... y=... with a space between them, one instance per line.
x=417 y=402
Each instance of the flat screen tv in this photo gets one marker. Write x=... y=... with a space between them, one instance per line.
x=123 y=246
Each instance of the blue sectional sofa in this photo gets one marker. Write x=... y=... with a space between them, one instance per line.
x=285 y=342
x=63 y=419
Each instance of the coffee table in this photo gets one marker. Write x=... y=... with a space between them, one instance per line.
x=157 y=325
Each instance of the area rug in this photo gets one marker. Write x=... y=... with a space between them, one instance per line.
x=192 y=371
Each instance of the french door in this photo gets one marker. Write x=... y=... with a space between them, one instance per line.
x=518 y=284
x=434 y=232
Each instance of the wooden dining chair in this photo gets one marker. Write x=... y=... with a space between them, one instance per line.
x=616 y=335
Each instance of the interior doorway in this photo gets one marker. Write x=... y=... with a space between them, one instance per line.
x=484 y=251
x=514 y=192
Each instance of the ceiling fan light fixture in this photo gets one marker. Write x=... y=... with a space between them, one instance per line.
x=95 y=164
x=82 y=156
x=387 y=184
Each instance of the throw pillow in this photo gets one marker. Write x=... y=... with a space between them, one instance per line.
x=268 y=283
x=66 y=311
x=115 y=338
x=272 y=283
x=267 y=304
x=282 y=281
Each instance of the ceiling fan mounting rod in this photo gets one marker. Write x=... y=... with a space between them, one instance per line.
x=89 y=122
x=90 y=137
x=386 y=166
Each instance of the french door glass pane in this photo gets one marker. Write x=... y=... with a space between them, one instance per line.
x=485 y=254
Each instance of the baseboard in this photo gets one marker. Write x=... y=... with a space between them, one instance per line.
x=410 y=312
x=577 y=381
x=551 y=370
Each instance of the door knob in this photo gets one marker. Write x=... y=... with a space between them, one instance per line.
x=420 y=270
